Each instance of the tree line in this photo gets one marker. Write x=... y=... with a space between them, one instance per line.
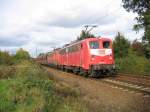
x=7 y=59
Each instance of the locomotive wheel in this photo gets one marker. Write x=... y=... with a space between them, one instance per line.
x=66 y=69
x=80 y=72
x=83 y=73
x=75 y=71
x=113 y=73
x=94 y=74
x=62 y=68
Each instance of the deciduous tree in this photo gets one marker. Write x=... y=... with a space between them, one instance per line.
x=5 y=58
x=84 y=35
x=142 y=8
x=121 y=46
x=138 y=47
x=22 y=54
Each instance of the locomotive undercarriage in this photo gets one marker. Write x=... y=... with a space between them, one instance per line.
x=102 y=70
x=95 y=70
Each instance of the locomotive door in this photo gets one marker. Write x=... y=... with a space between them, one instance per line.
x=67 y=60
x=81 y=54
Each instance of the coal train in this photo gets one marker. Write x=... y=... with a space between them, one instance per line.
x=93 y=57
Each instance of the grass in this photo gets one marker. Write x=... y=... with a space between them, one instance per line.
x=6 y=71
x=29 y=89
x=133 y=64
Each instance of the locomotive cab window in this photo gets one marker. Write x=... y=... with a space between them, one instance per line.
x=94 y=44
x=106 y=44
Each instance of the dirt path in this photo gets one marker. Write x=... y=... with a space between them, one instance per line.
x=102 y=97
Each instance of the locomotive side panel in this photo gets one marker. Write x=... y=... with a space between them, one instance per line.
x=74 y=53
x=85 y=55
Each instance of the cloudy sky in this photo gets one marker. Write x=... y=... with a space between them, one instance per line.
x=41 y=25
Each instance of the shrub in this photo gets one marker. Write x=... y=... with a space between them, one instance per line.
x=22 y=55
x=6 y=71
x=5 y=58
x=138 y=47
x=31 y=90
x=134 y=64
x=28 y=90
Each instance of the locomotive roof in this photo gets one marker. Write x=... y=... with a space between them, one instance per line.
x=88 y=39
x=73 y=43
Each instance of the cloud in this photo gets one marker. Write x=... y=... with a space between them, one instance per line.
x=98 y=18
x=43 y=25
x=14 y=41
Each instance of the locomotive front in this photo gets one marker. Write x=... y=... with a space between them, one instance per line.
x=101 y=57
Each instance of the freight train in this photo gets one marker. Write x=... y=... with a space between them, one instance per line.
x=93 y=57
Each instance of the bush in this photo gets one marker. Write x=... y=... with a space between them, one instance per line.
x=29 y=89
x=138 y=47
x=22 y=55
x=134 y=64
x=5 y=58
x=6 y=71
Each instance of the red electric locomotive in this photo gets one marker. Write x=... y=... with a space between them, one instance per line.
x=92 y=56
x=42 y=59
x=53 y=58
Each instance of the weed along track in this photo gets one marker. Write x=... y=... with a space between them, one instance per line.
x=107 y=94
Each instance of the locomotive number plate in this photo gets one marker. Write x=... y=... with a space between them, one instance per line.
x=102 y=52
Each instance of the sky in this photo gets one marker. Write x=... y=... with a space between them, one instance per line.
x=42 y=25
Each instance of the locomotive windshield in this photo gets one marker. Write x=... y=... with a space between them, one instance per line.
x=106 y=44
x=94 y=44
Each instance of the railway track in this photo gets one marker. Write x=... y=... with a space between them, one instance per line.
x=127 y=83
x=126 y=86
x=134 y=76
x=137 y=84
x=136 y=80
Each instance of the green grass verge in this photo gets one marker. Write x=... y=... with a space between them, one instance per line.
x=134 y=64
x=29 y=89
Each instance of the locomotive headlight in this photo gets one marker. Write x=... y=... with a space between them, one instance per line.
x=110 y=58
x=92 y=57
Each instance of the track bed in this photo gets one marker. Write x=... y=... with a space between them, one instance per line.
x=102 y=96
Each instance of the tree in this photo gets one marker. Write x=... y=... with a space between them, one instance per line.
x=121 y=46
x=22 y=54
x=142 y=8
x=138 y=47
x=5 y=58
x=84 y=35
